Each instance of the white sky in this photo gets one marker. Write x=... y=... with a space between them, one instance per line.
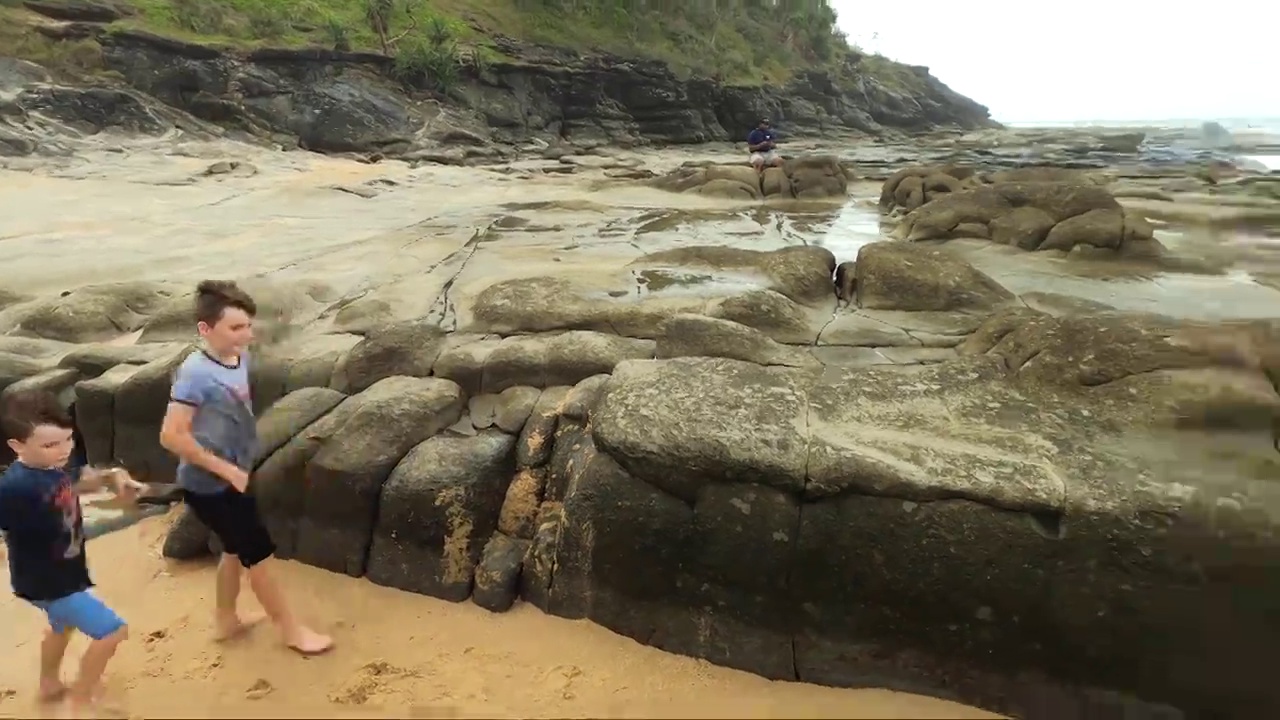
x=1087 y=59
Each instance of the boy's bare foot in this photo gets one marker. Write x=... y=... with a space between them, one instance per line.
x=96 y=708
x=306 y=641
x=51 y=691
x=236 y=626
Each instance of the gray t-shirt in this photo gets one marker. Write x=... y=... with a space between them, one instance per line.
x=224 y=423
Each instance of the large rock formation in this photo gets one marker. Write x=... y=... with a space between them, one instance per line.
x=937 y=488
x=911 y=187
x=1043 y=215
x=931 y=529
x=804 y=178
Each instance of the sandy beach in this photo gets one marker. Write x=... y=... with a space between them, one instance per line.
x=398 y=655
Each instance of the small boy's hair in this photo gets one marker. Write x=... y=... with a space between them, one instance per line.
x=23 y=411
x=213 y=297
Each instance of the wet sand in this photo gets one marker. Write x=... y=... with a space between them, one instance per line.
x=398 y=655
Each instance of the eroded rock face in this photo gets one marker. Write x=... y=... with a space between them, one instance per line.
x=786 y=294
x=805 y=178
x=1033 y=216
x=698 y=503
x=711 y=482
x=900 y=276
x=93 y=313
x=911 y=187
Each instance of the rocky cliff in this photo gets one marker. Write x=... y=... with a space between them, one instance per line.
x=333 y=101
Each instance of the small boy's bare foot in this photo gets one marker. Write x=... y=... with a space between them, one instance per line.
x=236 y=626
x=308 y=642
x=97 y=707
x=51 y=691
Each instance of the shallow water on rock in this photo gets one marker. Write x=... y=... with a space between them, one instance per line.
x=154 y=211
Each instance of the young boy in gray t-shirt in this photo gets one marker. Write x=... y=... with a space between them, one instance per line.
x=211 y=428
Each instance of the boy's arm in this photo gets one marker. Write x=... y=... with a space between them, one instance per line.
x=94 y=479
x=176 y=437
x=21 y=512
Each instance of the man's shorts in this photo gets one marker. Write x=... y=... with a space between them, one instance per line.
x=768 y=157
x=233 y=517
x=81 y=611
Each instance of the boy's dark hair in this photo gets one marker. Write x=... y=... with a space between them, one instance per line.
x=21 y=412
x=213 y=297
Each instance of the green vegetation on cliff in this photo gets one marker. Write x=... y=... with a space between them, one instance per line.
x=740 y=41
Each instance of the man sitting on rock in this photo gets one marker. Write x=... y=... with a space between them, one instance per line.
x=761 y=143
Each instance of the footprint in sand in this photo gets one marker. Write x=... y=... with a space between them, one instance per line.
x=370 y=682
x=259 y=689
x=561 y=679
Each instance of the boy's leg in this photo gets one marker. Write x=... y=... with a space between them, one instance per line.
x=53 y=648
x=234 y=517
x=230 y=624
x=216 y=511
x=297 y=636
x=86 y=613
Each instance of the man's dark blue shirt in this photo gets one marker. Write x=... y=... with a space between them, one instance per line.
x=758 y=136
x=44 y=531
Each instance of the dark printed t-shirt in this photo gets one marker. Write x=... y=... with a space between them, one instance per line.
x=44 y=531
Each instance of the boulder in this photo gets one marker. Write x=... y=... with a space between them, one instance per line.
x=498 y=574
x=280 y=479
x=15 y=367
x=97 y=358
x=537 y=438
x=1033 y=216
x=187 y=539
x=405 y=348
x=519 y=514
x=557 y=359
x=345 y=476
x=711 y=498
x=1178 y=370
x=137 y=411
x=800 y=272
x=786 y=293
x=513 y=407
x=96 y=412
x=295 y=411
x=94 y=312
x=911 y=187
x=901 y=276
x=437 y=512
x=542 y=304
x=699 y=335
x=806 y=178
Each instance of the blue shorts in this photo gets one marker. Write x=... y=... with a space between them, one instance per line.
x=81 y=611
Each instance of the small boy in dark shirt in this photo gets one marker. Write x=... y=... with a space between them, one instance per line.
x=44 y=532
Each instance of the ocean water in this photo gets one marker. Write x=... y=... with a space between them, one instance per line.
x=1248 y=126
x=1262 y=133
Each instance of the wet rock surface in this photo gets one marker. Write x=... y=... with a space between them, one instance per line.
x=697 y=490
x=763 y=434
x=1039 y=208
x=804 y=178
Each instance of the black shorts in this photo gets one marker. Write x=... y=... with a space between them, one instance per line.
x=233 y=517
